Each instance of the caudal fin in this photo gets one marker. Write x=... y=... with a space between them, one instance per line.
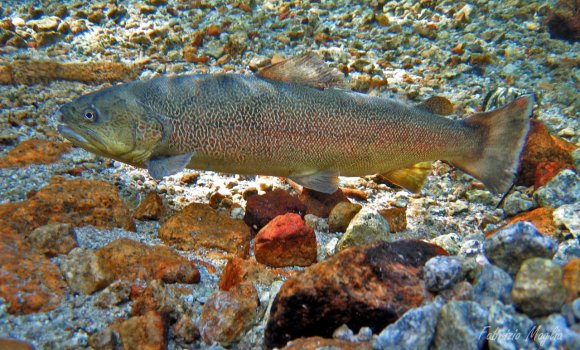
x=504 y=132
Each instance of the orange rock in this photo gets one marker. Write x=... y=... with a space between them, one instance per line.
x=144 y=332
x=239 y=270
x=545 y=171
x=77 y=202
x=34 y=152
x=201 y=228
x=29 y=282
x=571 y=279
x=131 y=260
x=397 y=218
x=315 y=343
x=214 y=30
x=540 y=217
x=320 y=204
x=31 y=72
x=286 y=241
x=150 y=208
x=541 y=146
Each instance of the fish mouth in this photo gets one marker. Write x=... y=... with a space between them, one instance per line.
x=72 y=135
x=87 y=140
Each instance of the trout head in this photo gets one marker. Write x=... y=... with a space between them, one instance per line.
x=112 y=123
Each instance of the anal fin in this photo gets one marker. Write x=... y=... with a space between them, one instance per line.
x=411 y=178
x=160 y=167
x=325 y=181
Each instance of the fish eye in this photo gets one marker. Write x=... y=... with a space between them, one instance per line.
x=90 y=115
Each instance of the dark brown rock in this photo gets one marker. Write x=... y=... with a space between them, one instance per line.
x=199 y=227
x=260 y=209
x=77 y=202
x=227 y=315
x=34 y=152
x=150 y=208
x=131 y=260
x=370 y=286
x=321 y=204
x=564 y=21
x=286 y=241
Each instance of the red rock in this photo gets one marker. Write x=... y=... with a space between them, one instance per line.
x=260 y=209
x=29 y=282
x=147 y=332
x=320 y=204
x=316 y=343
x=76 y=202
x=201 y=228
x=131 y=260
x=150 y=208
x=34 y=152
x=370 y=286
x=397 y=218
x=540 y=217
x=571 y=279
x=545 y=171
x=227 y=315
x=239 y=270
x=540 y=147
x=286 y=241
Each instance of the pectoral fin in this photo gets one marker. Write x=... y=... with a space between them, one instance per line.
x=325 y=181
x=411 y=178
x=164 y=166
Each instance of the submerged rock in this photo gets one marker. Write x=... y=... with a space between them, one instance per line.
x=442 y=272
x=396 y=217
x=341 y=215
x=510 y=246
x=148 y=331
x=34 y=152
x=321 y=204
x=349 y=288
x=462 y=325
x=413 y=331
x=451 y=242
x=508 y=330
x=85 y=271
x=516 y=203
x=571 y=279
x=564 y=188
x=538 y=289
x=568 y=216
x=317 y=343
x=286 y=241
x=365 y=227
x=491 y=284
x=53 y=239
x=260 y=209
x=150 y=208
x=239 y=270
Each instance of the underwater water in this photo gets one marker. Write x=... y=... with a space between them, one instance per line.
x=478 y=55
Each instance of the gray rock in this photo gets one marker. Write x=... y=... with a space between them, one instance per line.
x=451 y=242
x=568 y=215
x=115 y=294
x=53 y=239
x=571 y=311
x=413 y=331
x=564 y=188
x=515 y=203
x=567 y=251
x=492 y=284
x=553 y=332
x=442 y=272
x=538 y=289
x=481 y=196
x=576 y=156
x=507 y=329
x=365 y=227
x=462 y=325
x=85 y=272
x=471 y=248
x=510 y=246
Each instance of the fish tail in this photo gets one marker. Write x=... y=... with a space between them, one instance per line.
x=503 y=133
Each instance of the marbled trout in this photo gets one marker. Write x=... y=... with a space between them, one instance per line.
x=288 y=120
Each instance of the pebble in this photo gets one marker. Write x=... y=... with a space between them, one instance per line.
x=470 y=248
x=85 y=271
x=538 y=289
x=227 y=315
x=286 y=241
x=365 y=227
x=341 y=215
x=413 y=331
x=53 y=239
x=508 y=330
x=150 y=208
x=491 y=284
x=116 y=293
x=442 y=272
x=568 y=216
x=564 y=188
x=462 y=325
x=328 y=294
x=510 y=246
x=516 y=203
x=451 y=242
x=567 y=251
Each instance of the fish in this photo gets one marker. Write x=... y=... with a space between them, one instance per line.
x=293 y=119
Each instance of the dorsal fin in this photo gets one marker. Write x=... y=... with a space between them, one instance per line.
x=307 y=69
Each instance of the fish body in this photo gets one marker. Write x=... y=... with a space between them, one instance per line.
x=290 y=122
